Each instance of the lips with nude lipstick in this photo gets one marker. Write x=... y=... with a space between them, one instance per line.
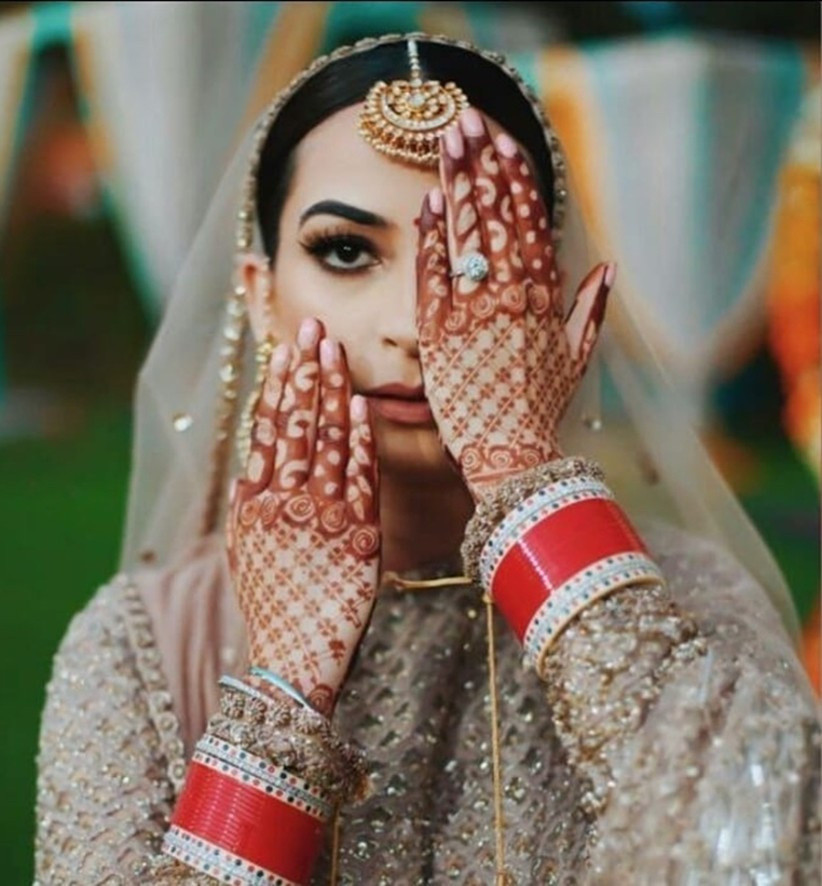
x=401 y=404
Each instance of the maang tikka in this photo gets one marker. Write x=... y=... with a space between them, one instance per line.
x=405 y=118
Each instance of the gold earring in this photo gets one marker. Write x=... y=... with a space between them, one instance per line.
x=262 y=357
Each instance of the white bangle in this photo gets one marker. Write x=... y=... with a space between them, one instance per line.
x=281 y=684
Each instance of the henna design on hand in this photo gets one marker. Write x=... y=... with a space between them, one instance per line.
x=302 y=530
x=500 y=359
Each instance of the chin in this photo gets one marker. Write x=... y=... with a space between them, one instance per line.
x=411 y=449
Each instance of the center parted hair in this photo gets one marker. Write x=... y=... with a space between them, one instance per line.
x=348 y=80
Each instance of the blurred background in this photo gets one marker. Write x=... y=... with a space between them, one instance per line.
x=693 y=133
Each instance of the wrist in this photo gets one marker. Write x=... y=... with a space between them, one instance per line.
x=491 y=509
x=278 y=733
x=486 y=486
x=280 y=685
x=487 y=472
x=268 y=683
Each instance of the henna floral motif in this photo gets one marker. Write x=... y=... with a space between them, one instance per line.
x=302 y=533
x=500 y=359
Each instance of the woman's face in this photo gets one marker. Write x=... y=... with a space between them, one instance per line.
x=346 y=255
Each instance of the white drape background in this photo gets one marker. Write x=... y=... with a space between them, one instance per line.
x=676 y=145
x=165 y=87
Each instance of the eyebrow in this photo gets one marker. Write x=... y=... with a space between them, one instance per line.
x=344 y=210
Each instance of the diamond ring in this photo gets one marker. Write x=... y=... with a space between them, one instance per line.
x=474 y=266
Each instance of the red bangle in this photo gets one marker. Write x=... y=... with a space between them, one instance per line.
x=563 y=547
x=241 y=817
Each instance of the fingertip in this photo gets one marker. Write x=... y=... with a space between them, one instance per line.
x=328 y=353
x=597 y=311
x=472 y=123
x=506 y=145
x=428 y=218
x=453 y=143
x=309 y=333
x=359 y=408
x=281 y=357
x=598 y=308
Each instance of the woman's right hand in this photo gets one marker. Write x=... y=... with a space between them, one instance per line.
x=303 y=534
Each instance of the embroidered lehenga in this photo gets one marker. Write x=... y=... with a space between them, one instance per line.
x=670 y=736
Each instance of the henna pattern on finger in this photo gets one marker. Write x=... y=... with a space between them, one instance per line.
x=434 y=297
x=260 y=461
x=361 y=485
x=327 y=480
x=296 y=420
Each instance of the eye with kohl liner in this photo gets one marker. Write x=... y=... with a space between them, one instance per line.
x=341 y=253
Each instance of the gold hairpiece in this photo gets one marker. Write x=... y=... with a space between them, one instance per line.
x=405 y=118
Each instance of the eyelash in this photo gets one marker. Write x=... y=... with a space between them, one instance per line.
x=324 y=243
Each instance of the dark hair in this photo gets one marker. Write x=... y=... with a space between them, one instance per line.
x=347 y=81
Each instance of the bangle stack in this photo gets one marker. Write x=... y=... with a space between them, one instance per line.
x=263 y=782
x=242 y=819
x=555 y=553
x=245 y=815
x=297 y=738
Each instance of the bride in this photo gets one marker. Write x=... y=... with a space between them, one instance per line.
x=405 y=633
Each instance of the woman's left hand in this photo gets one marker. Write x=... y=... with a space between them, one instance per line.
x=499 y=357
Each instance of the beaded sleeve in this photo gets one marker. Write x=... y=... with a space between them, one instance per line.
x=698 y=741
x=104 y=791
x=109 y=772
x=690 y=725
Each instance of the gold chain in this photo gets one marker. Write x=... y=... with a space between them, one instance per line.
x=408 y=584
x=502 y=878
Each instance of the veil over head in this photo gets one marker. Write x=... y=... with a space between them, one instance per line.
x=201 y=365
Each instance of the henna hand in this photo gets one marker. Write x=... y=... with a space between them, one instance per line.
x=500 y=359
x=302 y=533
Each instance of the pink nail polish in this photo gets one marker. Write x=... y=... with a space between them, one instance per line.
x=506 y=145
x=359 y=408
x=307 y=336
x=471 y=122
x=327 y=352
x=610 y=275
x=454 y=144
x=280 y=357
x=436 y=201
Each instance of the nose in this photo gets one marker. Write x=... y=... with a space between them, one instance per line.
x=398 y=320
